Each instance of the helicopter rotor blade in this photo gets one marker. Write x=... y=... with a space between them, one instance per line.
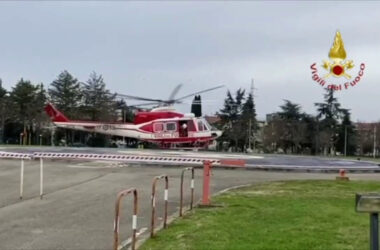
x=196 y=93
x=175 y=92
x=141 y=98
x=143 y=104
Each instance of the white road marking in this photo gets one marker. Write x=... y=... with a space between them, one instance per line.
x=86 y=166
x=129 y=240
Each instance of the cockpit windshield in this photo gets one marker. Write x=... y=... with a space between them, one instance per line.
x=203 y=125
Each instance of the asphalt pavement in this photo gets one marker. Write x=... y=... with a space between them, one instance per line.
x=77 y=211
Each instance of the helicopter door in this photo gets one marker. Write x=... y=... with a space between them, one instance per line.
x=183 y=129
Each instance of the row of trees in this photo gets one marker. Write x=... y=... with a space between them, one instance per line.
x=22 y=116
x=290 y=130
x=22 y=119
x=294 y=131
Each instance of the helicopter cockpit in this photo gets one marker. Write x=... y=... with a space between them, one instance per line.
x=189 y=125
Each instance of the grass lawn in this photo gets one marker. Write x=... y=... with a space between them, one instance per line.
x=279 y=215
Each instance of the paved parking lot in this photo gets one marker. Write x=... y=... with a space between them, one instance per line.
x=78 y=209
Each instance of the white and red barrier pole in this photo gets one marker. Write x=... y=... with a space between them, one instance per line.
x=120 y=195
x=41 y=178
x=153 y=202
x=206 y=183
x=22 y=179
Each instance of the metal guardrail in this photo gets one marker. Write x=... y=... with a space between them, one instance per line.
x=120 y=195
x=191 y=187
x=153 y=202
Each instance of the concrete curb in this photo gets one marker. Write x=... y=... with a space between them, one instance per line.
x=282 y=168
x=313 y=169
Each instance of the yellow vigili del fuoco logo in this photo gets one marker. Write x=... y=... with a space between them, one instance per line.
x=337 y=67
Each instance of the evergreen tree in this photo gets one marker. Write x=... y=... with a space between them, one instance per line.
x=240 y=95
x=126 y=112
x=249 y=120
x=347 y=135
x=294 y=128
x=4 y=110
x=28 y=101
x=234 y=129
x=227 y=113
x=99 y=103
x=65 y=93
x=290 y=111
x=330 y=112
x=310 y=144
x=23 y=95
x=40 y=118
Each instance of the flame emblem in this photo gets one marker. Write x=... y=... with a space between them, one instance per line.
x=337 y=65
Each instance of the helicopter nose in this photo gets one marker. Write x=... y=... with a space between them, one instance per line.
x=216 y=134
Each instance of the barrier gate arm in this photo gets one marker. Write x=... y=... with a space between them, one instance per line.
x=120 y=195
x=186 y=160
x=125 y=158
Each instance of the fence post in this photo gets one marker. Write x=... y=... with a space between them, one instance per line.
x=41 y=178
x=120 y=195
x=181 y=190
x=153 y=202
x=206 y=183
x=22 y=179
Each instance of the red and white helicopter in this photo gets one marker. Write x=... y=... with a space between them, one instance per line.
x=162 y=125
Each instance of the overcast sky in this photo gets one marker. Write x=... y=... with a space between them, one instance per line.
x=147 y=48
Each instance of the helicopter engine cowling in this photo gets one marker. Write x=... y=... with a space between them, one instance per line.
x=142 y=117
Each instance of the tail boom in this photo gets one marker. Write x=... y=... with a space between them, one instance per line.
x=54 y=114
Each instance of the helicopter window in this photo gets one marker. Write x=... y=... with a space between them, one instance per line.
x=207 y=125
x=158 y=127
x=191 y=125
x=171 y=126
x=200 y=126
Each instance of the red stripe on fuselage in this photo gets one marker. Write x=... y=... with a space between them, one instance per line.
x=99 y=123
